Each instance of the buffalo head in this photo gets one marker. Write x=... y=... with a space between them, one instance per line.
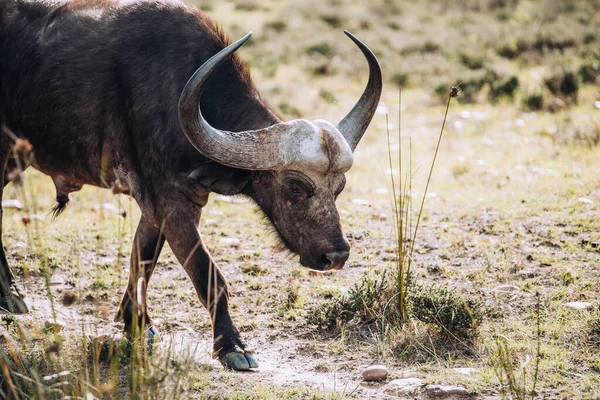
x=297 y=166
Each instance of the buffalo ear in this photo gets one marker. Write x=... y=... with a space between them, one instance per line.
x=220 y=179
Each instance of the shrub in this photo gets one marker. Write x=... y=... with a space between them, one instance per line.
x=533 y=102
x=326 y=95
x=400 y=79
x=289 y=110
x=321 y=48
x=364 y=300
x=514 y=48
x=564 y=85
x=332 y=20
x=589 y=73
x=277 y=26
x=472 y=61
x=454 y=314
x=506 y=87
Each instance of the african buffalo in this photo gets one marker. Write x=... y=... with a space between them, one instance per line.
x=101 y=89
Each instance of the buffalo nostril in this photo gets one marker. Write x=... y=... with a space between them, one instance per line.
x=337 y=258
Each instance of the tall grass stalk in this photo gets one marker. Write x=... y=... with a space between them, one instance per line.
x=404 y=233
x=514 y=383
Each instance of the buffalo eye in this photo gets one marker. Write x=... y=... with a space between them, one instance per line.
x=295 y=191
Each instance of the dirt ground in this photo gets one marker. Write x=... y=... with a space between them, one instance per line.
x=512 y=212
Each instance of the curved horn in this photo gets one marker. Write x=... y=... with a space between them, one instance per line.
x=258 y=149
x=354 y=125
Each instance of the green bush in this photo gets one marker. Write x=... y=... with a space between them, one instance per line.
x=472 y=61
x=533 y=102
x=321 y=48
x=506 y=87
x=400 y=79
x=454 y=314
x=564 y=85
x=364 y=300
x=589 y=73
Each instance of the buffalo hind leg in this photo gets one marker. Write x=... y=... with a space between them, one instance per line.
x=10 y=298
x=147 y=245
x=181 y=231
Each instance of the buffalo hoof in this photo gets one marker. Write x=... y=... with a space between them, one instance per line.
x=151 y=336
x=14 y=302
x=239 y=361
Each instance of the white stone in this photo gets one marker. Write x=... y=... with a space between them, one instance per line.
x=584 y=200
x=579 y=305
x=56 y=280
x=360 y=202
x=465 y=371
x=443 y=391
x=12 y=203
x=508 y=288
x=403 y=386
x=375 y=373
x=229 y=241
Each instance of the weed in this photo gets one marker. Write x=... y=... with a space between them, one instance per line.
x=400 y=79
x=363 y=300
x=472 y=61
x=512 y=375
x=327 y=96
x=321 y=48
x=589 y=73
x=277 y=26
x=506 y=87
x=454 y=315
x=289 y=110
x=533 y=102
x=564 y=84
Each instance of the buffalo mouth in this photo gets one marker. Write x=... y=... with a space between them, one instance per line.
x=325 y=261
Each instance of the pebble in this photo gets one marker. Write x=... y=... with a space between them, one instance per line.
x=403 y=386
x=443 y=391
x=465 y=371
x=12 y=203
x=54 y=325
x=579 y=305
x=229 y=241
x=56 y=280
x=585 y=200
x=375 y=373
x=508 y=288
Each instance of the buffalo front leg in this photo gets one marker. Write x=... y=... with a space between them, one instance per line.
x=10 y=298
x=181 y=231
x=147 y=244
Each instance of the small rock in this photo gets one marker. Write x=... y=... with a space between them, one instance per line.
x=508 y=288
x=360 y=202
x=56 y=280
x=230 y=241
x=403 y=386
x=584 y=200
x=54 y=325
x=465 y=371
x=579 y=305
x=375 y=373
x=107 y=207
x=597 y=104
x=443 y=391
x=12 y=203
